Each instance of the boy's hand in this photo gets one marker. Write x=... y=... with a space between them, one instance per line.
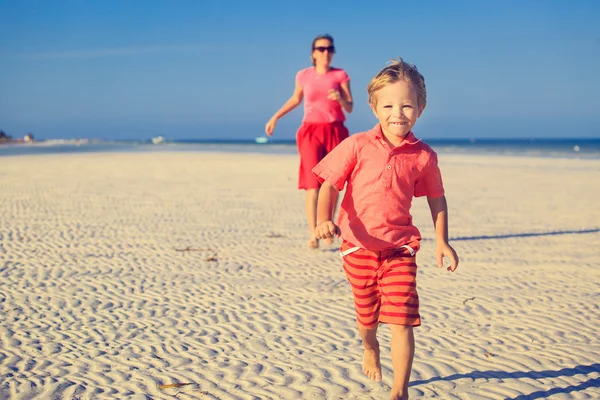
x=326 y=229
x=445 y=250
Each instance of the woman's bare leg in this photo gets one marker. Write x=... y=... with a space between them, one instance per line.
x=311 y=215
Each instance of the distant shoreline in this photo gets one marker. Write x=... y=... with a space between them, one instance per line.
x=275 y=141
x=552 y=148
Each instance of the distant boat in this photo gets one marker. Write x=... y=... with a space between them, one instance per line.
x=261 y=140
x=159 y=140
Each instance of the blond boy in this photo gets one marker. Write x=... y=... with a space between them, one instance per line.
x=383 y=169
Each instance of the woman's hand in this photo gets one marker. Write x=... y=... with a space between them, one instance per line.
x=334 y=95
x=343 y=97
x=270 y=127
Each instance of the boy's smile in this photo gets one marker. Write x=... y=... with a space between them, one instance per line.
x=397 y=109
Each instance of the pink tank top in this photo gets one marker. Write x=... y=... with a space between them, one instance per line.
x=318 y=108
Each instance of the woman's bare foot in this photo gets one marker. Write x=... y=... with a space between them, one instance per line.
x=313 y=243
x=371 y=364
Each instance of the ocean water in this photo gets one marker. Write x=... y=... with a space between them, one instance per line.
x=588 y=148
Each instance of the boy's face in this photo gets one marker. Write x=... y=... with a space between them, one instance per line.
x=397 y=110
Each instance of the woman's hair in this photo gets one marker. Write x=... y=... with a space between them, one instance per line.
x=312 y=47
x=398 y=70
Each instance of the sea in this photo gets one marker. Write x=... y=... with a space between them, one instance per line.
x=585 y=148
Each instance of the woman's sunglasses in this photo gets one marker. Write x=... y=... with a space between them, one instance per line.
x=322 y=49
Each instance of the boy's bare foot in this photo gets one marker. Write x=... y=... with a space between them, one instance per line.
x=398 y=394
x=313 y=243
x=371 y=364
x=328 y=241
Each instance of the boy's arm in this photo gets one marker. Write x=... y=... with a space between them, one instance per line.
x=439 y=214
x=325 y=226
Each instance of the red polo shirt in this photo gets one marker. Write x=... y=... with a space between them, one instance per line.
x=381 y=182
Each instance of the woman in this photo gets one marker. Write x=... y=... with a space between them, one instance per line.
x=326 y=94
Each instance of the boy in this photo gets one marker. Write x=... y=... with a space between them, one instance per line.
x=384 y=168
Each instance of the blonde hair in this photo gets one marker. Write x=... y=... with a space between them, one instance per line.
x=396 y=70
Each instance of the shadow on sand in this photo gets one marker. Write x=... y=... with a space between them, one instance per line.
x=525 y=234
x=542 y=394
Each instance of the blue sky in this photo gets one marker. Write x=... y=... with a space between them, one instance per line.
x=219 y=69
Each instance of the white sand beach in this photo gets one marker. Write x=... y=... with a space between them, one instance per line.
x=123 y=272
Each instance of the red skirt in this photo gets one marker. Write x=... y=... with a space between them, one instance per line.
x=314 y=142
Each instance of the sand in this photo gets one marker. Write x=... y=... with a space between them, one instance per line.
x=123 y=272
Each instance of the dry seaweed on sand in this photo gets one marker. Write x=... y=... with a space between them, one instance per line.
x=174 y=385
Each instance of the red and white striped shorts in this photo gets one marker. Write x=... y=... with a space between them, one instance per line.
x=384 y=284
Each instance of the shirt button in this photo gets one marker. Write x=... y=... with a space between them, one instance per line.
x=389 y=167
x=391 y=153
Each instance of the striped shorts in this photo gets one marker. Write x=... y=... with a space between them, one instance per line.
x=384 y=284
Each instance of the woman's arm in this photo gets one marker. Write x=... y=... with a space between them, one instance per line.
x=289 y=105
x=343 y=96
x=346 y=98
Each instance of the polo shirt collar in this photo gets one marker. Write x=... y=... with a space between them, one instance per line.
x=377 y=133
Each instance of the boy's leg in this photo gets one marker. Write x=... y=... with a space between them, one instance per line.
x=371 y=358
x=400 y=310
x=360 y=268
x=403 y=353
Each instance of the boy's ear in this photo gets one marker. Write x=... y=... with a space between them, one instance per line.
x=373 y=108
x=421 y=111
